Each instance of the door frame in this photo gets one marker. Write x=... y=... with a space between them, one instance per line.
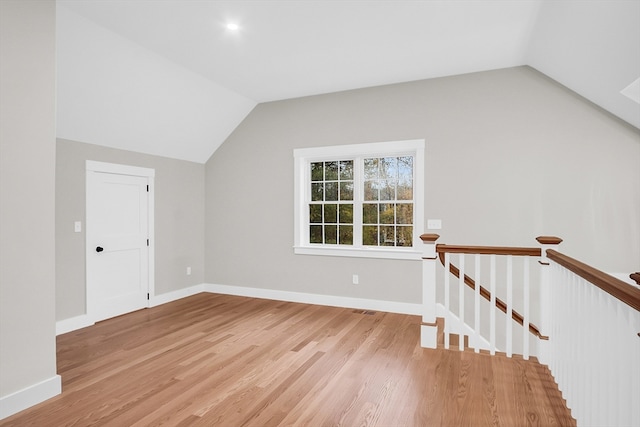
x=118 y=169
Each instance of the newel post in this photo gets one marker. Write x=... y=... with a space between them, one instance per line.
x=429 y=329
x=546 y=299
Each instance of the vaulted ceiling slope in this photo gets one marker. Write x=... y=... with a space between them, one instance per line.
x=168 y=78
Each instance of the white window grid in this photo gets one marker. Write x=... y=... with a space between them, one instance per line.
x=357 y=153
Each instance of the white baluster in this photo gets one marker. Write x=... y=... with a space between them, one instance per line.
x=545 y=301
x=579 y=348
x=635 y=366
x=570 y=335
x=492 y=311
x=611 y=320
x=559 y=334
x=525 y=323
x=594 y=338
x=447 y=307
x=597 y=359
x=509 y=320
x=620 y=371
x=461 y=303
x=476 y=303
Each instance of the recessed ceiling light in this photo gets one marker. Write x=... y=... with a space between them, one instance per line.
x=232 y=26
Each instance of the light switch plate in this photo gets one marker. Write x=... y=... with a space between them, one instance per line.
x=434 y=224
x=77 y=226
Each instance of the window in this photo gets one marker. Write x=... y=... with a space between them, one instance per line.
x=360 y=200
x=331 y=204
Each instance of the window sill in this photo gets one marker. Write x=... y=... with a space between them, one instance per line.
x=380 y=253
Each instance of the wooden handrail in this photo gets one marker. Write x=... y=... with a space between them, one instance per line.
x=488 y=250
x=486 y=294
x=613 y=286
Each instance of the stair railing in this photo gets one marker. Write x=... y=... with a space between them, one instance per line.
x=594 y=350
x=591 y=319
x=455 y=317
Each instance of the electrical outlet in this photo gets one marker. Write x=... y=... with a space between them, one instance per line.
x=356 y=279
x=188 y=271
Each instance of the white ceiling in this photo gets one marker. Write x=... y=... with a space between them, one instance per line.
x=288 y=49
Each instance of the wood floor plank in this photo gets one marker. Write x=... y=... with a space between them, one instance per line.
x=218 y=360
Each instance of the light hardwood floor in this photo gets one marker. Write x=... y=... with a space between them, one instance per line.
x=216 y=360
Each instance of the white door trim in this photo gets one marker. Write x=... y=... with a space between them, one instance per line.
x=114 y=168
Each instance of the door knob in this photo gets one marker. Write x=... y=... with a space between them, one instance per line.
x=99 y=249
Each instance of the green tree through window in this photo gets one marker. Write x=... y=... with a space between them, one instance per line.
x=387 y=209
x=387 y=202
x=359 y=200
x=331 y=205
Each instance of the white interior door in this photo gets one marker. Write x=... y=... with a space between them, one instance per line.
x=117 y=227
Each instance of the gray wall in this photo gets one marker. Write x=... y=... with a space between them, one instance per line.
x=510 y=155
x=27 y=174
x=179 y=221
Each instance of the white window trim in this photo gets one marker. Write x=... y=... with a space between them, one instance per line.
x=302 y=159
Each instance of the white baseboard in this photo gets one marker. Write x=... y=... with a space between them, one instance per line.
x=78 y=322
x=73 y=323
x=32 y=395
x=318 y=299
x=175 y=295
x=82 y=321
